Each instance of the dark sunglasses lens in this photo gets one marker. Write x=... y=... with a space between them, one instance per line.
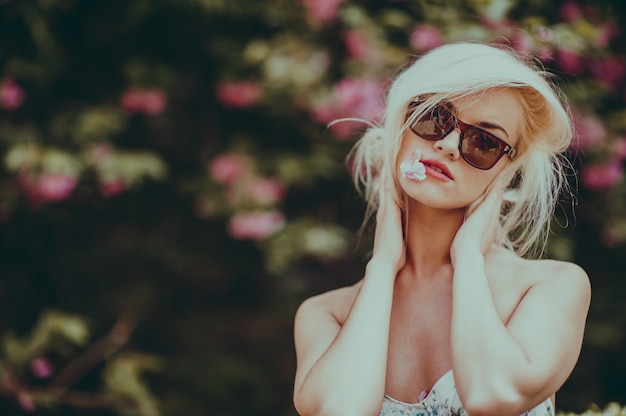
x=480 y=148
x=434 y=125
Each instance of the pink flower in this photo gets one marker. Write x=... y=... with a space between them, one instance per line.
x=112 y=186
x=42 y=367
x=321 y=11
x=570 y=11
x=618 y=148
x=255 y=225
x=423 y=395
x=52 y=187
x=147 y=101
x=522 y=42
x=26 y=402
x=545 y=34
x=545 y=53
x=602 y=177
x=609 y=71
x=502 y=28
x=154 y=102
x=359 y=98
x=265 y=191
x=256 y=190
x=605 y=33
x=239 y=94
x=11 y=94
x=100 y=154
x=425 y=37
x=569 y=61
x=228 y=168
x=345 y=130
x=358 y=46
x=47 y=187
x=413 y=168
x=589 y=132
x=325 y=113
x=132 y=100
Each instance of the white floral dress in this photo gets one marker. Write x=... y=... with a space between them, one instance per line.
x=442 y=400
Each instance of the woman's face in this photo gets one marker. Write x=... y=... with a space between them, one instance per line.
x=450 y=181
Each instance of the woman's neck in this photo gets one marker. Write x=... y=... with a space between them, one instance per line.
x=429 y=235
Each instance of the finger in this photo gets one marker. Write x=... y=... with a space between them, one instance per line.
x=488 y=210
x=385 y=189
x=499 y=185
x=381 y=197
x=495 y=195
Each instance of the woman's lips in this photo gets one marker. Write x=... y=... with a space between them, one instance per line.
x=437 y=170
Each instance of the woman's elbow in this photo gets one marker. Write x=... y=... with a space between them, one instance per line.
x=306 y=407
x=490 y=408
x=492 y=403
x=303 y=406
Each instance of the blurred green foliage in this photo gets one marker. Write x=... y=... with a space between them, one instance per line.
x=170 y=190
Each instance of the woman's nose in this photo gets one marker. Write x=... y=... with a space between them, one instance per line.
x=450 y=143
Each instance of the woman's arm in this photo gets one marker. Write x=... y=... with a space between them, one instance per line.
x=507 y=369
x=341 y=367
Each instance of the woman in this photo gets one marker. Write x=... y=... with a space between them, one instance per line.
x=449 y=318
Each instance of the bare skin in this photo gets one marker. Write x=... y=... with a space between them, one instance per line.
x=510 y=329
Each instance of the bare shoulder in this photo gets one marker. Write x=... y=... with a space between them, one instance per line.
x=318 y=321
x=334 y=304
x=558 y=279
x=561 y=279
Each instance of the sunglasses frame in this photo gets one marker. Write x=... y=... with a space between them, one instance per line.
x=506 y=149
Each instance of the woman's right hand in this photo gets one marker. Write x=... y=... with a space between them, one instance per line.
x=342 y=337
x=389 y=245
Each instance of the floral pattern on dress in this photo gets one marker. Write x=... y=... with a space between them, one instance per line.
x=443 y=400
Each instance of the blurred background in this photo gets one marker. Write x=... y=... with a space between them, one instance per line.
x=170 y=193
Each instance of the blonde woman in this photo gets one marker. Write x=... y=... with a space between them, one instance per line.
x=450 y=318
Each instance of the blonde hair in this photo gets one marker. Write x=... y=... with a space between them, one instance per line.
x=535 y=176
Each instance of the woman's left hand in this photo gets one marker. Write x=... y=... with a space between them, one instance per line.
x=479 y=229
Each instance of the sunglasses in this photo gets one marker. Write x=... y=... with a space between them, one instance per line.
x=477 y=147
